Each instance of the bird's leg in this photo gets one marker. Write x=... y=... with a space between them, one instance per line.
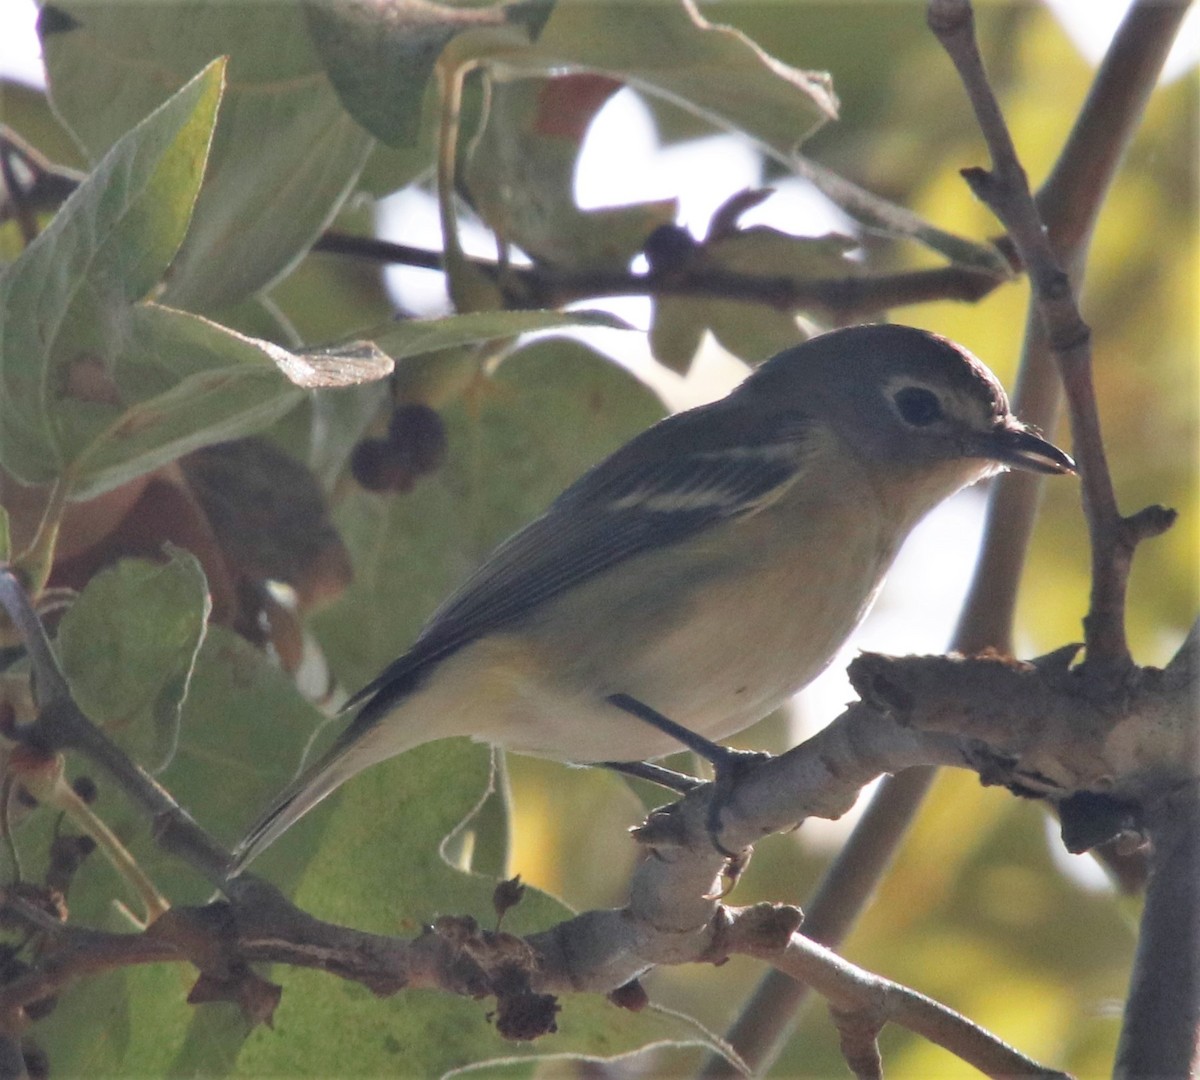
x=706 y=748
x=728 y=764
x=678 y=782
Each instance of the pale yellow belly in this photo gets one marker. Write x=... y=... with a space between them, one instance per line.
x=714 y=647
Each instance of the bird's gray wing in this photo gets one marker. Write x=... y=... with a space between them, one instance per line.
x=667 y=484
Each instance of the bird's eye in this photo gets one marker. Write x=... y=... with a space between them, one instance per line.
x=918 y=406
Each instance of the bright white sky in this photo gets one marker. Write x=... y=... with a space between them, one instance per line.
x=917 y=609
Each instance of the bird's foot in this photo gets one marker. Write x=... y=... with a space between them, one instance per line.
x=729 y=765
x=727 y=774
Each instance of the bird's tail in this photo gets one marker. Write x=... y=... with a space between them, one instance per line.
x=363 y=742
x=316 y=782
x=360 y=745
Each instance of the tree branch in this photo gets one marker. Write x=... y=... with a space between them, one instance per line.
x=873 y=1001
x=1005 y=190
x=843 y=297
x=916 y=711
x=1160 y=1033
x=1147 y=1041
x=456 y=957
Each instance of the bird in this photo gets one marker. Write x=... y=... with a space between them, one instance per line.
x=703 y=573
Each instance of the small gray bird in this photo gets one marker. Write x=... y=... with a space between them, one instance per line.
x=708 y=569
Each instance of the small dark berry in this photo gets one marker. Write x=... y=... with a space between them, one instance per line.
x=375 y=466
x=418 y=435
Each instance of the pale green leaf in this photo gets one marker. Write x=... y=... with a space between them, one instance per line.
x=416 y=336
x=286 y=153
x=380 y=56
x=64 y=303
x=243 y=730
x=677 y=328
x=182 y=382
x=671 y=51
x=521 y=173
x=128 y=646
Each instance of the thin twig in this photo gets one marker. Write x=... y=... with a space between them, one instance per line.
x=18 y=194
x=874 y=1001
x=47 y=784
x=49 y=185
x=545 y=286
x=61 y=725
x=842 y=298
x=1006 y=192
x=1069 y=204
x=50 y=684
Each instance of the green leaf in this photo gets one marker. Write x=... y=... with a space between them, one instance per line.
x=5 y=539
x=402 y=340
x=182 y=382
x=128 y=646
x=286 y=153
x=380 y=56
x=243 y=731
x=521 y=174
x=64 y=302
x=669 y=50
x=140 y=199
x=178 y=381
x=677 y=329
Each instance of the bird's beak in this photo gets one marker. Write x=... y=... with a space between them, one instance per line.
x=1016 y=446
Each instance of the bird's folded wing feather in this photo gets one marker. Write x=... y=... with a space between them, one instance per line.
x=647 y=495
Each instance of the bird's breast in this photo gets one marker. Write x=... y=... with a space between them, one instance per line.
x=714 y=633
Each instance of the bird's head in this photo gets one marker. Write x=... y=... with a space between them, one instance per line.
x=903 y=400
